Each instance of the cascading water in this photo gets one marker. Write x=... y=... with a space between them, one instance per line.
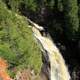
x=58 y=70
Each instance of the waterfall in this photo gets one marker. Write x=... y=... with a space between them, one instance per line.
x=59 y=70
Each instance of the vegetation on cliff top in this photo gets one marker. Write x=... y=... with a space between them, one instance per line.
x=17 y=44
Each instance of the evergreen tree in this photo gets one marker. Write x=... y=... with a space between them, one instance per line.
x=71 y=18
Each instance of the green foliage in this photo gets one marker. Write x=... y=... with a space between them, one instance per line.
x=13 y=4
x=17 y=44
x=11 y=73
x=49 y=3
x=69 y=8
x=71 y=18
x=31 y=4
x=16 y=4
x=79 y=20
x=60 y=5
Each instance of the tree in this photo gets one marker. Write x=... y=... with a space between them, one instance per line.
x=71 y=18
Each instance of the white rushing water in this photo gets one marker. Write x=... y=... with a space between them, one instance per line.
x=59 y=71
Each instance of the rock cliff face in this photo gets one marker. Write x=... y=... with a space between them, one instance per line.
x=3 y=67
x=23 y=75
x=45 y=70
x=28 y=75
